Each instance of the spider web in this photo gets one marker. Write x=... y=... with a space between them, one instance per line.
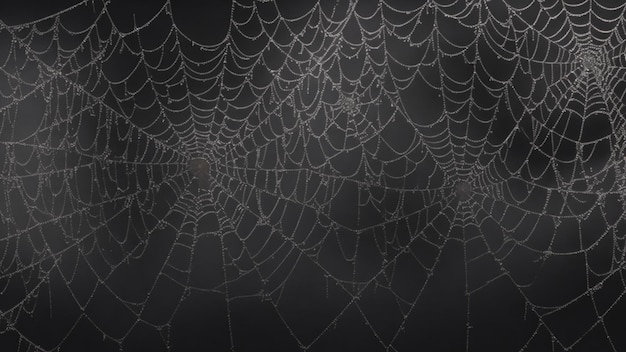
x=332 y=175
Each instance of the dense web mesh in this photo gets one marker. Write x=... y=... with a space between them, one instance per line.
x=323 y=176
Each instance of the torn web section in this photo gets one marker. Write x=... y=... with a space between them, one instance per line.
x=200 y=169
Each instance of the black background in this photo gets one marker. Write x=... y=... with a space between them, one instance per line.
x=545 y=230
